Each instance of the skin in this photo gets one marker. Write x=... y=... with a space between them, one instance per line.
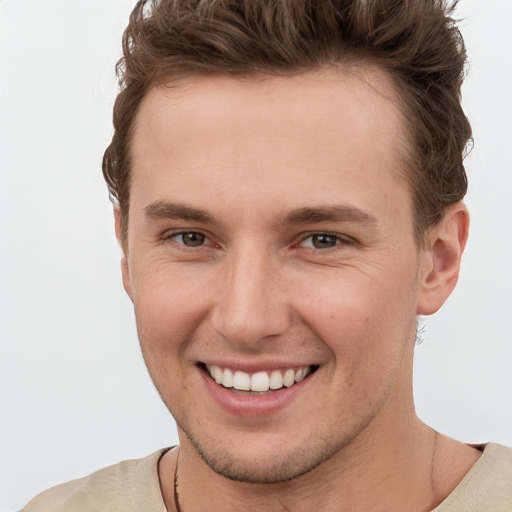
x=253 y=169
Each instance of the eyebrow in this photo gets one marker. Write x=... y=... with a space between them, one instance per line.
x=303 y=215
x=336 y=213
x=167 y=210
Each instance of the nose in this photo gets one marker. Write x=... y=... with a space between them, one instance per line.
x=251 y=305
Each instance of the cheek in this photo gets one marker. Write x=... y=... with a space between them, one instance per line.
x=169 y=306
x=361 y=317
x=168 y=310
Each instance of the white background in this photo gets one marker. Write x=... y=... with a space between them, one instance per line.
x=74 y=393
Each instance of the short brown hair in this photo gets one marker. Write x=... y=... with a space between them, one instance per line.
x=415 y=41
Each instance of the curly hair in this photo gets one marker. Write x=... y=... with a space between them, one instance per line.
x=416 y=42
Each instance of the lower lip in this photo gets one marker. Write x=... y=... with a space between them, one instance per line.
x=252 y=405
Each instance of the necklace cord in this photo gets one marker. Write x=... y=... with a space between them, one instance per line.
x=176 y=498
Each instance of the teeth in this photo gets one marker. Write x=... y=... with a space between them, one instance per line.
x=299 y=375
x=218 y=374
x=289 y=378
x=242 y=381
x=276 y=380
x=259 y=381
x=228 y=380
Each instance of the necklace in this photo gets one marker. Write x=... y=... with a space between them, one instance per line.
x=176 y=498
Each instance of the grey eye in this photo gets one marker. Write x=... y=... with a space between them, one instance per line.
x=191 y=239
x=323 y=241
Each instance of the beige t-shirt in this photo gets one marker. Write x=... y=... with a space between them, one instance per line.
x=133 y=486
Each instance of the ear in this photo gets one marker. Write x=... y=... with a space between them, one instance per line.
x=442 y=257
x=124 y=261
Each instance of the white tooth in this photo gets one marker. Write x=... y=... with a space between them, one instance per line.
x=210 y=370
x=227 y=378
x=260 y=381
x=217 y=374
x=289 y=377
x=276 y=380
x=299 y=374
x=242 y=381
x=307 y=370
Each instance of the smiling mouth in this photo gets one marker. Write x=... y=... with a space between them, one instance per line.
x=259 y=382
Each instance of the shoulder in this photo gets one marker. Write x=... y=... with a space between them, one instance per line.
x=487 y=486
x=128 y=485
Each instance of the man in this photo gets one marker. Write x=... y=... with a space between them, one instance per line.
x=288 y=181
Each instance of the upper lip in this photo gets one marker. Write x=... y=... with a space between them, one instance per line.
x=255 y=366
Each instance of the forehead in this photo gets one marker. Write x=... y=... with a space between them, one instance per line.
x=355 y=93
x=336 y=126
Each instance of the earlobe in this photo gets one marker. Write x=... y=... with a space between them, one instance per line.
x=442 y=258
x=125 y=271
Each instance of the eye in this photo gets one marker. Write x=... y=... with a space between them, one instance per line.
x=321 y=241
x=189 y=238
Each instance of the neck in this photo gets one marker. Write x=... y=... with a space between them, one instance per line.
x=409 y=472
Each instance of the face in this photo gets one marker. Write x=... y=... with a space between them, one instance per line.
x=272 y=265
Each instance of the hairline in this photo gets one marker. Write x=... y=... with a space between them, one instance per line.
x=405 y=152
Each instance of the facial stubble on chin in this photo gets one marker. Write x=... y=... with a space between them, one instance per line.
x=283 y=467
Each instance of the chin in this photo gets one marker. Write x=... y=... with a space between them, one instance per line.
x=266 y=463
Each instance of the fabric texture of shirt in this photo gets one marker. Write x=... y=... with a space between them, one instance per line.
x=133 y=486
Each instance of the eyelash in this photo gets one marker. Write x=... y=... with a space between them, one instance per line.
x=175 y=234
x=340 y=240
